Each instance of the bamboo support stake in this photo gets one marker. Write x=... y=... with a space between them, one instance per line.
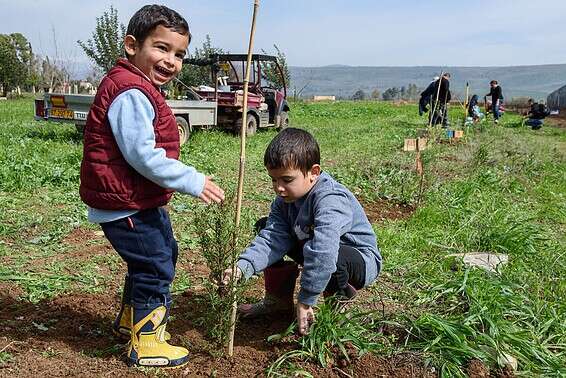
x=467 y=96
x=241 y=174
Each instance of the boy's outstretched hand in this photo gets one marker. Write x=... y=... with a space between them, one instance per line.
x=211 y=192
x=305 y=318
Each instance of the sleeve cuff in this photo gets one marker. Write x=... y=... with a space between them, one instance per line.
x=198 y=186
x=307 y=297
x=246 y=267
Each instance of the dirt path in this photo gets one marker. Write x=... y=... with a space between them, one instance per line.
x=558 y=121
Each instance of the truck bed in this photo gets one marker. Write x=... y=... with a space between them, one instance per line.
x=74 y=108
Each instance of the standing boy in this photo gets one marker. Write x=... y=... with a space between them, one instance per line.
x=315 y=221
x=130 y=170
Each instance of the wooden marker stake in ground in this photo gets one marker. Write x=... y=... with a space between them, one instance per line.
x=419 y=164
x=241 y=173
x=418 y=144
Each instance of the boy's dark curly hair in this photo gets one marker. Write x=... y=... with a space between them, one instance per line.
x=149 y=17
x=292 y=148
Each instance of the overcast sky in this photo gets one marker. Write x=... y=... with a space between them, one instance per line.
x=324 y=32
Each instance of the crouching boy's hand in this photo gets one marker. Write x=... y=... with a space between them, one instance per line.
x=227 y=275
x=305 y=318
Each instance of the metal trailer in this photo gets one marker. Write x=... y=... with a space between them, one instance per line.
x=74 y=108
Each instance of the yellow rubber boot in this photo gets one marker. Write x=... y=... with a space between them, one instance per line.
x=122 y=326
x=147 y=343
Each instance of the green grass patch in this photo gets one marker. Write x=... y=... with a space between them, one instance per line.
x=500 y=190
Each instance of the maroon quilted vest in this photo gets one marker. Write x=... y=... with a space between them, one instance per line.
x=107 y=180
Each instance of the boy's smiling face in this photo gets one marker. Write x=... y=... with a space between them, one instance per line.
x=291 y=184
x=160 y=56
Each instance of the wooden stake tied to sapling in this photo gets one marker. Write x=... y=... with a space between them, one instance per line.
x=241 y=171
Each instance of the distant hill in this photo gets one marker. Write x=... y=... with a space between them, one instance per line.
x=343 y=81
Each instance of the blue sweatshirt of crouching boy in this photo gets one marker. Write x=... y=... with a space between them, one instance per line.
x=326 y=217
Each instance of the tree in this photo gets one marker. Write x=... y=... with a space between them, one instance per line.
x=193 y=75
x=34 y=77
x=15 y=60
x=107 y=42
x=390 y=94
x=52 y=74
x=412 y=92
x=359 y=95
x=272 y=75
x=375 y=94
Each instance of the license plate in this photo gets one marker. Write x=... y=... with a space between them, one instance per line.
x=61 y=113
x=81 y=115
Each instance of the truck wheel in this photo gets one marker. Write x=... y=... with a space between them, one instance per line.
x=80 y=128
x=283 y=120
x=250 y=129
x=184 y=129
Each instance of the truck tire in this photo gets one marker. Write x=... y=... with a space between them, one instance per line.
x=283 y=120
x=80 y=128
x=252 y=125
x=184 y=130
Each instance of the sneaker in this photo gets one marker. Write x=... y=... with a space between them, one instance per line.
x=269 y=305
x=341 y=299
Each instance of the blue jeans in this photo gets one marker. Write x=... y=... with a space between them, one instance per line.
x=495 y=109
x=146 y=243
x=534 y=123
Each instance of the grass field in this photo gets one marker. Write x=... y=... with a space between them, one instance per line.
x=500 y=190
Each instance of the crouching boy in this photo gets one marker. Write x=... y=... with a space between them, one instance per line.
x=315 y=221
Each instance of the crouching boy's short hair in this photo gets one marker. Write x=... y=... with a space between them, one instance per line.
x=292 y=148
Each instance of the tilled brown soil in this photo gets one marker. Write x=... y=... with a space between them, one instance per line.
x=558 y=120
x=70 y=335
x=381 y=210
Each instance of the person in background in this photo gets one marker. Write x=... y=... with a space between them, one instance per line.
x=536 y=115
x=426 y=97
x=496 y=95
x=474 y=113
x=438 y=95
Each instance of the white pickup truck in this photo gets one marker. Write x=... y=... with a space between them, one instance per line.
x=74 y=108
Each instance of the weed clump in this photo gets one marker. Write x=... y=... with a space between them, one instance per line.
x=337 y=338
